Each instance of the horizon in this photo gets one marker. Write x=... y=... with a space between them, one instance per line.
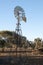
x=34 y=13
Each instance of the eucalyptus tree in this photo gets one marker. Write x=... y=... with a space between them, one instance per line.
x=37 y=42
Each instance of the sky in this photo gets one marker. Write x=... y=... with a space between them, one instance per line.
x=33 y=9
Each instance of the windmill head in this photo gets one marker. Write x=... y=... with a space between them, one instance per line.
x=19 y=13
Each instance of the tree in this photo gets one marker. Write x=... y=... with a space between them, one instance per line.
x=2 y=43
x=32 y=44
x=37 y=41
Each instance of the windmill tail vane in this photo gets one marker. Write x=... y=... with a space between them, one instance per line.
x=24 y=19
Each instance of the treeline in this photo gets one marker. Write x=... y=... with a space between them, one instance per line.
x=10 y=39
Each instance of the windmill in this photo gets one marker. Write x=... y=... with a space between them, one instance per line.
x=20 y=15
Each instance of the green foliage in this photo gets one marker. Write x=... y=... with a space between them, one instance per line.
x=33 y=45
x=2 y=43
x=23 y=42
x=7 y=32
x=38 y=43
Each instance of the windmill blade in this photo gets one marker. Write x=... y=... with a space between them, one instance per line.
x=18 y=11
x=24 y=19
